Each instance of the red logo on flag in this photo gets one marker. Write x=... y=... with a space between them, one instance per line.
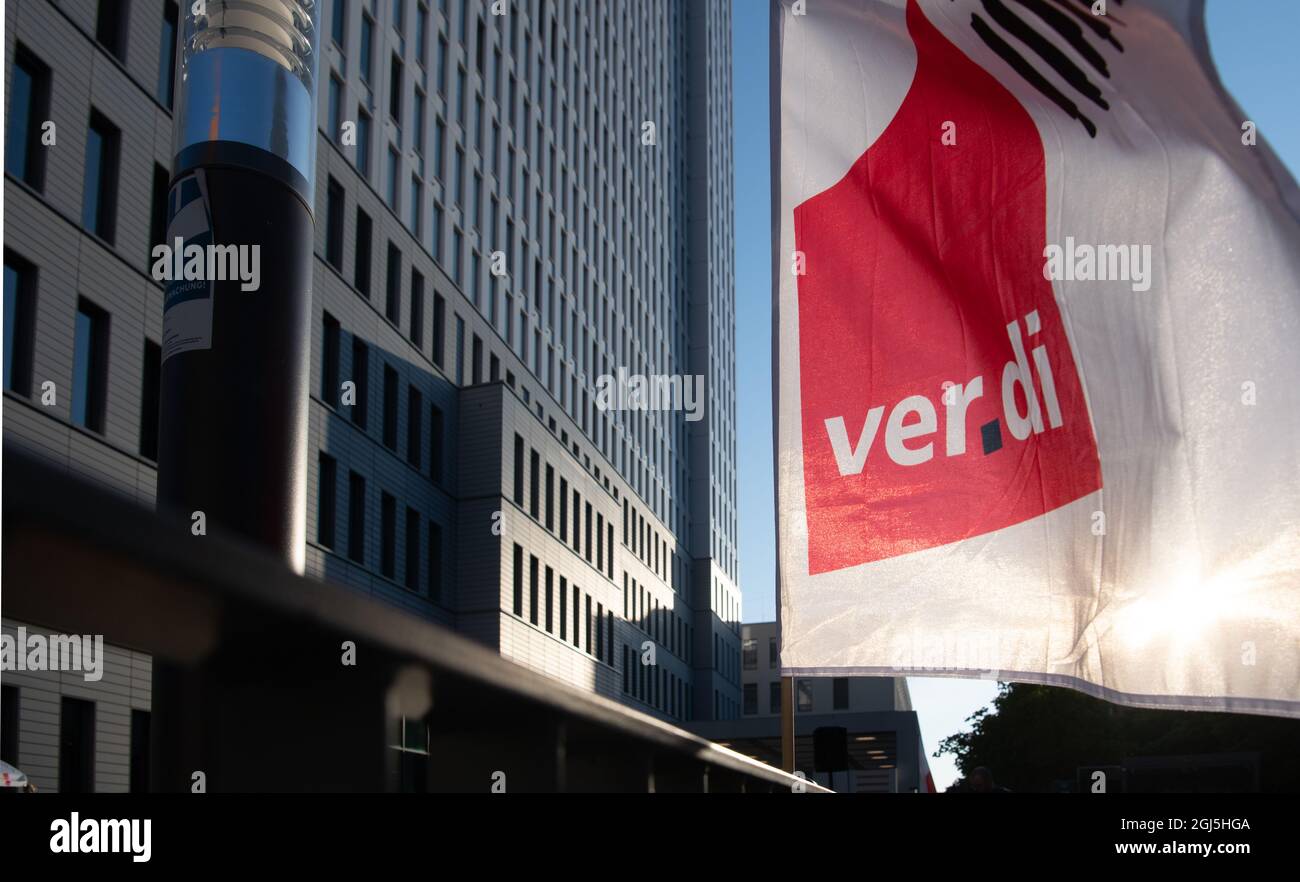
x=940 y=397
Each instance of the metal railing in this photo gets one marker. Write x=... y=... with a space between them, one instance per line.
x=250 y=684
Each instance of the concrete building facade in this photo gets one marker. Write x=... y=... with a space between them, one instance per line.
x=516 y=201
x=881 y=734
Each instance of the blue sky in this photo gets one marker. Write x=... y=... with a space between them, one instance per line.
x=1253 y=45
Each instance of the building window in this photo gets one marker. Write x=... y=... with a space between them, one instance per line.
x=435 y=443
x=29 y=108
x=361 y=269
x=334 y=203
x=412 y=549
x=414 y=424
x=439 y=152
x=395 y=90
x=77 y=746
x=394 y=164
x=577 y=634
x=550 y=587
x=417 y=201
x=439 y=327
x=550 y=491
x=326 y=490
x=152 y=371
x=750 y=692
x=363 y=142
x=417 y=308
x=774 y=697
x=90 y=366
x=387 y=534
x=421 y=41
x=577 y=521
x=158 y=208
x=339 y=23
x=564 y=608
x=442 y=67
x=564 y=510
x=393 y=302
x=460 y=351
x=805 y=702
x=20 y=323
x=356 y=517
x=435 y=560
x=519 y=471
x=367 y=34
x=111 y=27
x=749 y=654
x=140 y=726
x=329 y=371
x=840 y=690
x=9 y=725
x=587 y=542
x=167 y=55
x=99 y=198
x=773 y=654
x=361 y=379
x=519 y=581
x=458 y=179
x=336 y=109
x=532 y=589
x=534 y=484
x=390 y=407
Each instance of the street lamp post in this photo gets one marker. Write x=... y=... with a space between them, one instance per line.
x=233 y=413
x=233 y=409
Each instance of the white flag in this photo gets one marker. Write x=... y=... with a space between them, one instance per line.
x=1038 y=304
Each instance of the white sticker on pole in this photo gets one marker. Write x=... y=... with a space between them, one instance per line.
x=187 y=302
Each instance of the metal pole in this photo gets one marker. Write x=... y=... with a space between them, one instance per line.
x=787 y=724
x=237 y=266
x=232 y=449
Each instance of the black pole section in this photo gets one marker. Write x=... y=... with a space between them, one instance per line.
x=233 y=435
x=232 y=446
x=232 y=449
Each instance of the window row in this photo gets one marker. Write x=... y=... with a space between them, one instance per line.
x=591 y=628
x=30 y=90
x=662 y=623
x=660 y=688
x=749 y=654
x=643 y=540
x=423 y=536
x=91 y=331
x=804 y=702
x=356 y=399
x=473 y=362
x=576 y=531
x=76 y=740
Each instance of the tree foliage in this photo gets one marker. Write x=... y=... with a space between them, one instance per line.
x=1035 y=736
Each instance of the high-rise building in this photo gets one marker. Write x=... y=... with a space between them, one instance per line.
x=520 y=205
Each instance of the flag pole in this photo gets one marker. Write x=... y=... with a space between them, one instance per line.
x=787 y=724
